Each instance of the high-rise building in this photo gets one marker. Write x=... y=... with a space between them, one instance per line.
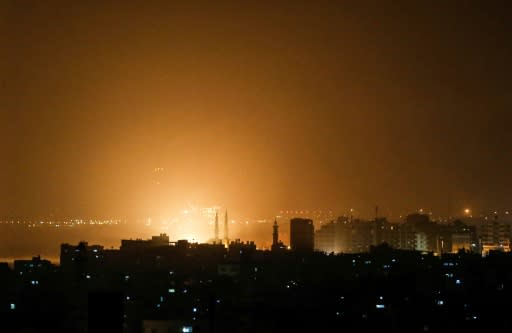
x=419 y=233
x=216 y=238
x=495 y=236
x=226 y=234
x=275 y=233
x=329 y=237
x=301 y=234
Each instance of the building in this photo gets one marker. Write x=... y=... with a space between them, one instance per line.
x=277 y=245
x=81 y=256
x=461 y=241
x=35 y=265
x=355 y=236
x=416 y=224
x=495 y=236
x=385 y=232
x=327 y=238
x=302 y=234
x=138 y=244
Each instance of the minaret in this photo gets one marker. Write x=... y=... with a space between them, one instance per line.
x=226 y=235
x=275 y=234
x=216 y=240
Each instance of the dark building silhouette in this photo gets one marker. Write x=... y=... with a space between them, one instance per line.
x=419 y=233
x=495 y=236
x=226 y=229
x=155 y=241
x=216 y=238
x=302 y=234
x=275 y=233
x=277 y=245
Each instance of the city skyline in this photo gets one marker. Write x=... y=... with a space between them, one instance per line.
x=255 y=166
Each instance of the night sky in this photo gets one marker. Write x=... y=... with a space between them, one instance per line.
x=254 y=106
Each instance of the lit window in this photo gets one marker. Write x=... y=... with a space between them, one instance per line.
x=172 y=291
x=194 y=310
x=186 y=329
x=380 y=306
x=13 y=306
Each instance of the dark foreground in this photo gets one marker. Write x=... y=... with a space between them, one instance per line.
x=206 y=288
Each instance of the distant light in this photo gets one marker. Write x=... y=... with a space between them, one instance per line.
x=87 y=276
x=186 y=329
x=458 y=281
x=194 y=309
x=440 y=302
x=380 y=306
x=13 y=306
x=127 y=277
x=467 y=211
x=127 y=298
x=172 y=291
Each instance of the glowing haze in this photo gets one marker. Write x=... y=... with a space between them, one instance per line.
x=255 y=107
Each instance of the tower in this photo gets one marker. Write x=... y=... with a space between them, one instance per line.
x=226 y=235
x=216 y=240
x=275 y=234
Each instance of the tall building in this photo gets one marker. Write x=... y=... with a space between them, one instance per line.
x=277 y=245
x=329 y=238
x=495 y=236
x=419 y=233
x=226 y=235
x=216 y=238
x=275 y=233
x=355 y=236
x=302 y=234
